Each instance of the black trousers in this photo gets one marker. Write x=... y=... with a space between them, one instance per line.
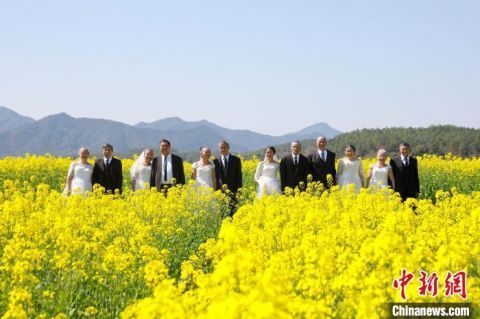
x=232 y=203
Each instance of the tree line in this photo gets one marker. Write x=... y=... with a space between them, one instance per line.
x=438 y=139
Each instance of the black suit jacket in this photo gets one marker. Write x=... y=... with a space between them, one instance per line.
x=320 y=168
x=177 y=171
x=291 y=175
x=233 y=178
x=111 y=178
x=406 y=177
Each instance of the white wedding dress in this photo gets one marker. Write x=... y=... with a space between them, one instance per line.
x=204 y=175
x=380 y=175
x=350 y=172
x=82 y=177
x=141 y=175
x=266 y=177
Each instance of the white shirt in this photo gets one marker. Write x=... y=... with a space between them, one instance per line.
x=296 y=158
x=405 y=159
x=168 y=162
x=225 y=157
x=105 y=160
x=324 y=154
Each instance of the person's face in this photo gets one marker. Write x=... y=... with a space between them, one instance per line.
x=224 y=149
x=295 y=148
x=382 y=157
x=205 y=154
x=322 y=143
x=149 y=156
x=404 y=150
x=269 y=154
x=164 y=148
x=107 y=152
x=349 y=152
x=84 y=154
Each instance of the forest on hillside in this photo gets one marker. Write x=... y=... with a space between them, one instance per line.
x=441 y=139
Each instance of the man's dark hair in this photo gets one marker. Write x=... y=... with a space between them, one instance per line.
x=165 y=141
x=223 y=142
x=106 y=145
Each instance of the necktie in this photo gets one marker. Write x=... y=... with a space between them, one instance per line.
x=406 y=161
x=225 y=163
x=164 y=168
x=322 y=156
x=295 y=160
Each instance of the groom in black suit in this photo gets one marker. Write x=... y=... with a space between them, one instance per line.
x=107 y=171
x=294 y=168
x=167 y=169
x=228 y=170
x=323 y=163
x=405 y=171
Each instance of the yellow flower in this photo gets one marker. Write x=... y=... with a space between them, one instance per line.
x=48 y=294
x=90 y=311
x=312 y=254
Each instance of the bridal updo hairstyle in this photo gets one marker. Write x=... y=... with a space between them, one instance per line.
x=350 y=146
x=271 y=148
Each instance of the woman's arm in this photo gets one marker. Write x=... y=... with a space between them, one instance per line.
x=214 y=178
x=258 y=172
x=134 y=178
x=340 y=169
x=194 y=171
x=70 y=173
x=369 y=177
x=392 y=178
x=360 y=173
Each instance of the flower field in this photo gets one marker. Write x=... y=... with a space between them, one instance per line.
x=305 y=255
x=436 y=172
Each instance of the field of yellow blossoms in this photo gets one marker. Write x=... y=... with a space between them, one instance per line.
x=314 y=254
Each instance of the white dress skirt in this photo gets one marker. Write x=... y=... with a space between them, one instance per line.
x=82 y=177
x=380 y=175
x=266 y=177
x=204 y=175
x=141 y=175
x=350 y=172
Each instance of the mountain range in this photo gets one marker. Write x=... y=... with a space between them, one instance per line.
x=62 y=134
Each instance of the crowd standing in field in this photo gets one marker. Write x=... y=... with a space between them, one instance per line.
x=272 y=175
x=124 y=255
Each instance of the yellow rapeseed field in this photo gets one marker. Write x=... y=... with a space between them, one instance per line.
x=314 y=254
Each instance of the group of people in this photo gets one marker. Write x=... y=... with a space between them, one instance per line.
x=401 y=174
x=148 y=171
x=272 y=175
x=106 y=171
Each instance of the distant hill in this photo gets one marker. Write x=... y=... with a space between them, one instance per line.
x=313 y=130
x=10 y=119
x=244 y=139
x=439 y=139
x=62 y=134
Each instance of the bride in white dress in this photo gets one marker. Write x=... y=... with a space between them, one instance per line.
x=266 y=174
x=203 y=171
x=380 y=172
x=350 y=170
x=141 y=170
x=79 y=177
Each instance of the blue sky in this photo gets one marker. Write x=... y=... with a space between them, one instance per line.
x=269 y=66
